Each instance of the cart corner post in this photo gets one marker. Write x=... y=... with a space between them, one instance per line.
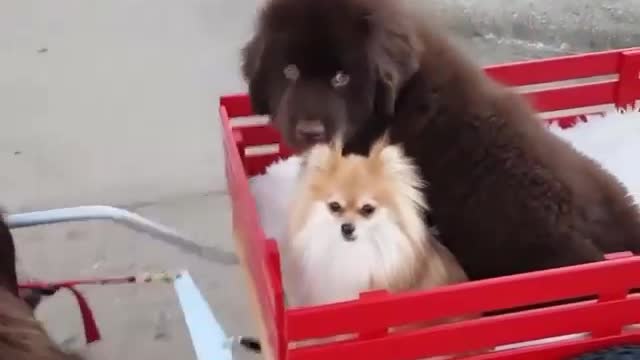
x=628 y=91
x=620 y=294
x=376 y=294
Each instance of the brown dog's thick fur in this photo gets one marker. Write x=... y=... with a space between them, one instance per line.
x=22 y=337
x=506 y=195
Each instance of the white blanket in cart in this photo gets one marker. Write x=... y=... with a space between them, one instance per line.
x=613 y=140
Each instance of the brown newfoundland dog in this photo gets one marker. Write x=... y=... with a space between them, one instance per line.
x=22 y=337
x=507 y=195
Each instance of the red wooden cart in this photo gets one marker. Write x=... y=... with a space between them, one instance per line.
x=591 y=325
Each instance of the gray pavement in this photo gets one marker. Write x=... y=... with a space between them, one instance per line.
x=115 y=102
x=567 y=24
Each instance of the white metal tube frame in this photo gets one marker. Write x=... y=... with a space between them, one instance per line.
x=94 y=212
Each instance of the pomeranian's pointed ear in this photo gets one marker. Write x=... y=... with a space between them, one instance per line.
x=322 y=157
x=337 y=145
x=317 y=158
x=379 y=145
x=382 y=155
x=392 y=160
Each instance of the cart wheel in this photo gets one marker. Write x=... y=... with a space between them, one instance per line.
x=627 y=352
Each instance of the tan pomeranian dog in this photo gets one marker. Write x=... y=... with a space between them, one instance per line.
x=356 y=225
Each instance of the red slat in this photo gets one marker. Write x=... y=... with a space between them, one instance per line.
x=237 y=105
x=481 y=333
x=575 y=96
x=259 y=135
x=561 y=68
x=562 y=351
x=492 y=294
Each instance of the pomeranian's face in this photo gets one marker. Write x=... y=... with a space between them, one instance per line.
x=349 y=200
x=353 y=196
x=355 y=224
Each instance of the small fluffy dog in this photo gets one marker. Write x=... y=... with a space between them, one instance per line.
x=356 y=225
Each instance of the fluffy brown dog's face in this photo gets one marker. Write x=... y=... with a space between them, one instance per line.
x=312 y=67
x=314 y=100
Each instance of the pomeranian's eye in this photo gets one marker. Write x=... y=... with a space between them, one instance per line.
x=367 y=210
x=291 y=72
x=335 y=207
x=340 y=79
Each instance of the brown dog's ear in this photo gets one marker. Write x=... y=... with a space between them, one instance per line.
x=395 y=50
x=253 y=73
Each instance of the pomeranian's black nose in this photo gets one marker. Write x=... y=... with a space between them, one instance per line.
x=348 y=230
x=310 y=131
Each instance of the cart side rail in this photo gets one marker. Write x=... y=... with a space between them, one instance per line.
x=258 y=255
x=605 y=316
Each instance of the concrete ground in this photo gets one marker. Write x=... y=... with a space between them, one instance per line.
x=115 y=102
x=575 y=25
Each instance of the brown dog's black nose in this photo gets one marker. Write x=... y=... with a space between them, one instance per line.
x=310 y=131
x=347 y=230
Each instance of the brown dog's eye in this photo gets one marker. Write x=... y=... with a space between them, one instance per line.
x=335 y=207
x=340 y=79
x=367 y=210
x=291 y=72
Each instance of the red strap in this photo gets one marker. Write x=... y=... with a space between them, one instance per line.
x=91 y=331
